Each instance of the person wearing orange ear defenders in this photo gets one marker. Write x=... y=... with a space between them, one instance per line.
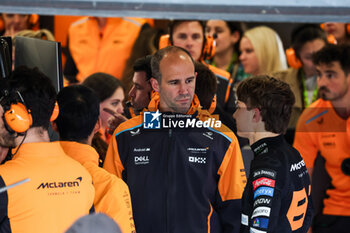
x=190 y=35
x=340 y=31
x=301 y=76
x=227 y=37
x=59 y=190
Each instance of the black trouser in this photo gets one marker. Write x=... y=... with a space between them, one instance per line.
x=331 y=224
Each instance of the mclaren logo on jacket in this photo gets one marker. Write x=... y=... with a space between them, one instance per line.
x=65 y=184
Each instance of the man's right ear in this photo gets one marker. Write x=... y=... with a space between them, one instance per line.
x=257 y=115
x=154 y=84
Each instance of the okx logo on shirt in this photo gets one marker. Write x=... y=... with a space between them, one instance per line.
x=151 y=120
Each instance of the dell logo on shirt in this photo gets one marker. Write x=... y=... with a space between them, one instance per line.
x=141 y=160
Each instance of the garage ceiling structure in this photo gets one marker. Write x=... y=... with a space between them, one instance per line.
x=238 y=10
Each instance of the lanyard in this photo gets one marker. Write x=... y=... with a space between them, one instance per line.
x=306 y=99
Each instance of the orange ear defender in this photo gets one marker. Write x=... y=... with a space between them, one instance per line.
x=34 y=19
x=18 y=118
x=55 y=112
x=34 y=22
x=322 y=26
x=292 y=59
x=164 y=41
x=331 y=39
x=208 y=48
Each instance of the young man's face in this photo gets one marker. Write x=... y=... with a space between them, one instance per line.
x=333 y=83
x=189 y=36
x=306 y=52
x=248 y=57
x=244 y=119
x=6 y=140
x=177 y=85
x=140 y=91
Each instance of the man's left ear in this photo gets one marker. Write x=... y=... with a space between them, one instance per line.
x=154 y=84
x=257 y=115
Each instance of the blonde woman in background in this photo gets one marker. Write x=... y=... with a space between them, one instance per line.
x=262 y=51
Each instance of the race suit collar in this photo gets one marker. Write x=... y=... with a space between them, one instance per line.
x=154 y=104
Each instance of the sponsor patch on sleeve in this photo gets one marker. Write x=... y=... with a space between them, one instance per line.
x=262 y=202
x=263 y=181
x=264 y=172
x=260 y=222
x=263 y=191
x=252 y=230
x=261 y=211
x=244 y=219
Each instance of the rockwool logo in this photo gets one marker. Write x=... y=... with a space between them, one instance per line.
x=51 y=185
